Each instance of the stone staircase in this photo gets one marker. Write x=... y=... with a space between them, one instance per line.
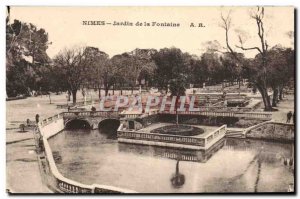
x=235 y=132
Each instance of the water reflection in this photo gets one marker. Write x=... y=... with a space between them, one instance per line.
x=172 y=153
x=232 y=165
x=109 y=127
x=78 y=124
x=177 y=179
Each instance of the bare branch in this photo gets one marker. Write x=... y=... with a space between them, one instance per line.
x=253 y=48
x=226 y=25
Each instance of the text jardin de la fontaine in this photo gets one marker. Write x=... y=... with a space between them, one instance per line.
x=147 y=24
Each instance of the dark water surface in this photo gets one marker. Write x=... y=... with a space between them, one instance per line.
x=235 y=165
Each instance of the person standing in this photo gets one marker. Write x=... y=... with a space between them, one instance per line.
x=289 y=116
x=37 y=118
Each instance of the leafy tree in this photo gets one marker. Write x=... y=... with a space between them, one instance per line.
x=26 y=47
x=99 y=65
x=147 y=67
x=199 y=73
x=74 y=64
x=172 y=69
x=280 y=69
x=231 y=67
x=212 y=67
x=120 y=70
x=134 y=66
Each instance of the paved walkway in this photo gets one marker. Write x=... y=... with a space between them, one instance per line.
x=22 y=169
x=253 y=102
x=284 y=106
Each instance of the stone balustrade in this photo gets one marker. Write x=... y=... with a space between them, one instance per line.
x=254 y=115
x=107 y=114
x=204 y=111
x=54 y=180
x=175 y=141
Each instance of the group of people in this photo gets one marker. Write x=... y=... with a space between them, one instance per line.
x=289 y=116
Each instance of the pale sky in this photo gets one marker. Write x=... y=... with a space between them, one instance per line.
x=64 y=25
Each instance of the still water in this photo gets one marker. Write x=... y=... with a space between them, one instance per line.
x=233 y=165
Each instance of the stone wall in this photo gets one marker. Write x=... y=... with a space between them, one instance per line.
x=272 y=131
x=52 y=128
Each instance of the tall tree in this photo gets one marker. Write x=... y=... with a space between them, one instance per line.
x=210 y=62
x=258 y=77
x=99 y=63
x=280 y=69
x=74 y=64
x=132 y=67
x=231 y=68
x=172 y=69
x=26 y=55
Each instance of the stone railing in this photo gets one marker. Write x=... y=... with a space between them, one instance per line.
x=224 y=109
x=82 y=103
x=255 y=115
x=49 y=120
x=271 y=130
x=108 y=114
x=131 y=116
x=132 y=136
x=206 y=111
x=210 y=138
x=55 y=181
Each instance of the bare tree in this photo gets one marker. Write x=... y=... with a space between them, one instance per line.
x=226 y=24
x=260 y=81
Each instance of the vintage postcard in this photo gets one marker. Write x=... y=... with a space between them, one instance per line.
x=150 y=100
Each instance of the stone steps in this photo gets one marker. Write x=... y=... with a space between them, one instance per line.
x=236 y=133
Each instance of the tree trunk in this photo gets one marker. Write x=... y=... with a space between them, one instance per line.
x=281 y=93
x=275 y=97
x=106 y=90
x=49 y=98
x=74 y=92
x=113 y=89
x=176 y=107
x=69 y=96
x=121 y=89
x=99 y=92
x=131 y=90
x=266 y=98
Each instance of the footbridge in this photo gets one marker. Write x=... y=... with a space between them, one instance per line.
x=91 y=119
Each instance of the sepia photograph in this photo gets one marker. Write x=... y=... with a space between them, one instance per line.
x=150 y=100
